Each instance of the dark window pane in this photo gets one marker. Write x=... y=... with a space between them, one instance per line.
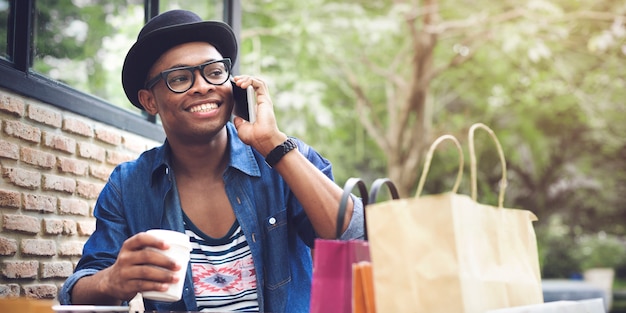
x=82 y=43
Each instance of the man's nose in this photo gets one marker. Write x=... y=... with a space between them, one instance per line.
x=199 y=83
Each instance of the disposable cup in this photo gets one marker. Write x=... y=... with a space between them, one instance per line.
x=179 y=251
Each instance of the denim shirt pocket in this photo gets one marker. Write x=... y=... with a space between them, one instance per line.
x=277 y=272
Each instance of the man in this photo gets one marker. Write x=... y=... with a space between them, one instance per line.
x=251 y=199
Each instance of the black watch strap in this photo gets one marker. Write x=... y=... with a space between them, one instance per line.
x=277 y=153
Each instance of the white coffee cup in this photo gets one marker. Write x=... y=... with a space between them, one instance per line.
x=179 y=251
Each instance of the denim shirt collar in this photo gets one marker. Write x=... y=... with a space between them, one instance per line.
x=245 y=163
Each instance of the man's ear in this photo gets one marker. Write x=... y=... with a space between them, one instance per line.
x=146 y=98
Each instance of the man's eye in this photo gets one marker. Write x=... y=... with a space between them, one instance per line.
x=178 y=78
x=216 y=72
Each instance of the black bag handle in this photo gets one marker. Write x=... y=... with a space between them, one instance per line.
x=376 y=185
x=347 y=190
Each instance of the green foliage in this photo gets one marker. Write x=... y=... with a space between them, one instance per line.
x=4 y=20
x=557 y=256
x=564 y=253
x=600 y=250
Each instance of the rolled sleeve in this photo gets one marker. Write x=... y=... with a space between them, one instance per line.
x=356 y=227
x=65 y=295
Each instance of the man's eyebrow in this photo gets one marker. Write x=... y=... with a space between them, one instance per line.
x=187 y=65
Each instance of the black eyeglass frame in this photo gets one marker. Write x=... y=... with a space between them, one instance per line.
x=163 y=75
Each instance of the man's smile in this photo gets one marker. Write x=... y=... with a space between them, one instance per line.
x=205 y=107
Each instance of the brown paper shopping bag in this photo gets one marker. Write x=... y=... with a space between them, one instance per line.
x=449 y=253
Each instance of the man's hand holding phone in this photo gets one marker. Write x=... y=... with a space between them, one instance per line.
x=261 y=131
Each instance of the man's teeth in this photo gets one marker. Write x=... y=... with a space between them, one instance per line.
x=203 y=108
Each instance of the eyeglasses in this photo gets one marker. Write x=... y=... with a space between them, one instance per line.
x=181 y=79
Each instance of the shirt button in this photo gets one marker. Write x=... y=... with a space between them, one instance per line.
x=272 y=221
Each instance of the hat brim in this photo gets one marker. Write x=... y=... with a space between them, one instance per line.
x=146 y=51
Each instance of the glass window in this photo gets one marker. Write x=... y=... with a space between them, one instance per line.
x=82 y=43
x=4 y=28
x=208 y=10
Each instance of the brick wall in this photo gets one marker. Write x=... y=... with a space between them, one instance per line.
x=53 y=164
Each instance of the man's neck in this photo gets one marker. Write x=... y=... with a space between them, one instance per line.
x=209 y=158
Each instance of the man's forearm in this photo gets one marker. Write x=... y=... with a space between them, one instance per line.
x=87 y=290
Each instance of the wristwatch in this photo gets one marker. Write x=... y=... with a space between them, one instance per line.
x=279 y=152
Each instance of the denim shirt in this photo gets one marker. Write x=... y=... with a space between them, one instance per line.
x=141 y=195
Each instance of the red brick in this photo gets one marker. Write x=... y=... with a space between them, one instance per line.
x=38 y=158
x=88 y=190
x=76 y=126
x=74 y=207
x=115 y=158
x=20 y=269
x=59 y=142
x=69 y=227
x=22 y=178
x=40 y=291
x=8 y=246
x=100 y=172
x=45 y=116
x=40 y=247
x=91 y=151
x=12 y=105
x=23 y=131
x=59 y=183
x=10 y=199
x=135 y=144
x=71 y=248
x=76 y=167
x=9 y=150
x=53 y=226
x=9 y=291
x=108 y=136
x=40 y=203
x=22 y=223
x=86 y=228
x=61 y=269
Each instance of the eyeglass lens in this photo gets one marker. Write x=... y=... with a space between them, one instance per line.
x=180 y=80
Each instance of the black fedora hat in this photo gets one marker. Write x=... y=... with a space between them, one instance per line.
x=165 y=31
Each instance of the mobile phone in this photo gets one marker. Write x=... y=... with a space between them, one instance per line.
x=245 y=102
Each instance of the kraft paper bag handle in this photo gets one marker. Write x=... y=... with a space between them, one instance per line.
x=429 y=158
x=473 y=178
x=347 y=190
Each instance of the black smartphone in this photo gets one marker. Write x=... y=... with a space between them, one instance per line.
x=245 y=102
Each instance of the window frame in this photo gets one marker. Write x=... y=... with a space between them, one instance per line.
x=17 y=76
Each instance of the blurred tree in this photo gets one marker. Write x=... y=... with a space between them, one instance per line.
x=547 y=76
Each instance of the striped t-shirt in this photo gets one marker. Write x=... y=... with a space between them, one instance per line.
x=223 y=271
